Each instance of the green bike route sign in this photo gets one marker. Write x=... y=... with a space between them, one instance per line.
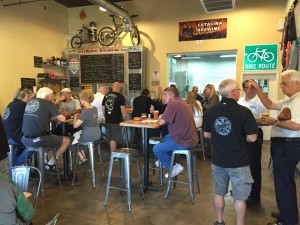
x=261 y=57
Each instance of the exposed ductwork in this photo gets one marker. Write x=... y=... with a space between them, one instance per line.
x=211 y=6
x=115 y=9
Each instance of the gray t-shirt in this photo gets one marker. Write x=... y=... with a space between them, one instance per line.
x=90 y=127
x=37 y=115
x=73 y=105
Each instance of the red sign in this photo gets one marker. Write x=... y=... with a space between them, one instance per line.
x=203 y=29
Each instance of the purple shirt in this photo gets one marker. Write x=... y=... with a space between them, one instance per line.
x=181 y=124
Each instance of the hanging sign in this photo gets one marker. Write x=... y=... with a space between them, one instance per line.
x=261 y=57
x=203 y=29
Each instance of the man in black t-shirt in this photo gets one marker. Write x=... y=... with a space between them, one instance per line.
x=113 y=106
x=230 y=126
x=142 y=104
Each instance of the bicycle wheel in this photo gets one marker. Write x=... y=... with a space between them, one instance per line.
x=135 y=35
x=252 y=57
x=106 y=36
x=268 y=56
x=76 y=42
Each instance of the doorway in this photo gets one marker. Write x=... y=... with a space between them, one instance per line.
x=199 y=69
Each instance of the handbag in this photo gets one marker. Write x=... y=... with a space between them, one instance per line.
x=285 y=114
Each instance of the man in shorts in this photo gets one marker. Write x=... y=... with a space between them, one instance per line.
x=230 y=126
x=36 y=125
x=113 y=106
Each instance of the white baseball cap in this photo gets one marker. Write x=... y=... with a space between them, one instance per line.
x=66 y=90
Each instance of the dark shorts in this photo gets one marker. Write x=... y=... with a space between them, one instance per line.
x=241 y=181
x=48 y=141
x=113 y=132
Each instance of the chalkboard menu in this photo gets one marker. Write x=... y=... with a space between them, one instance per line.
x=28 y=83
x=102 y=68
x=38 y=61
x=135 y=60
x=135 y=81
x=74 y=81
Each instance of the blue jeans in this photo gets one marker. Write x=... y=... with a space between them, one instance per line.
x=163 y=150
x=20 y=153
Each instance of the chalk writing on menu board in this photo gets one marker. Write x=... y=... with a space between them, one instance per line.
x=102 y=68
x=38 y=61
x=28 y=83
x=134 y=60
x=74 y=81
x=135 y=81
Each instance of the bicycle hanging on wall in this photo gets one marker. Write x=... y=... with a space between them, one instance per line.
x=107 y=35
x=85 y=35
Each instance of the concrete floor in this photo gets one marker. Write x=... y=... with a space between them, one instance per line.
x=83 y=204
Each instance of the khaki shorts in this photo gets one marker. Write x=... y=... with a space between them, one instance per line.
x=241 y=181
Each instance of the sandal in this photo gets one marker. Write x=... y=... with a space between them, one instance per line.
x=50 y=167
x=82 y=161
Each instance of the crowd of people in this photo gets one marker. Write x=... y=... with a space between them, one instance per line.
x=231 y=123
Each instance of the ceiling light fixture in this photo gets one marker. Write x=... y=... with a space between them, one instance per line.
x=227 y=56
x=102 y=9
x=191 y=57
x=176 y=56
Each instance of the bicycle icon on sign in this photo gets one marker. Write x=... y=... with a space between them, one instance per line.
x=261 y=54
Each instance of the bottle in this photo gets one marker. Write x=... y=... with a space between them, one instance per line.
x=57 y=61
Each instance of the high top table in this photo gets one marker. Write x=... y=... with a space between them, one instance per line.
x=145 y=125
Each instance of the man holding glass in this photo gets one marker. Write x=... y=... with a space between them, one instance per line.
x=285 y=145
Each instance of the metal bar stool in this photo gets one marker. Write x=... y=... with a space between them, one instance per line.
x=124 y=155
x=90 y=146
x=202 y=142
x=192 y=170
x=40 y=163
x=11 y=155
x=154 y=141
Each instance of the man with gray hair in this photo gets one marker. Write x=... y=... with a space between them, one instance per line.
x=285 y=145
x=36 y=125
x=230 y=126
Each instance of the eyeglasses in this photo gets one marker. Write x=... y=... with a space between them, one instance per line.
x=249 y=87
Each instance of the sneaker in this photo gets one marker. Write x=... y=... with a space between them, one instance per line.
x=177 y=169
x=217 y=223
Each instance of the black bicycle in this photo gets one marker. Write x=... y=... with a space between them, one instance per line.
x=107 y=35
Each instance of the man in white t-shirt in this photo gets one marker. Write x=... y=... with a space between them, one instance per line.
x=252 y=102
x=98 y=98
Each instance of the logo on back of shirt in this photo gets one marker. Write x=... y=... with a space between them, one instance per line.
x=222 y=126
x=6 y=113
x=110 y=101
x=32 y=106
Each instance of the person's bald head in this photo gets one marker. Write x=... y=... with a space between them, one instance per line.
x=116 y=87
x=102 y=90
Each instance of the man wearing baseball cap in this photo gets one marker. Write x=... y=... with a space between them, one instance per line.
x=67 y=106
